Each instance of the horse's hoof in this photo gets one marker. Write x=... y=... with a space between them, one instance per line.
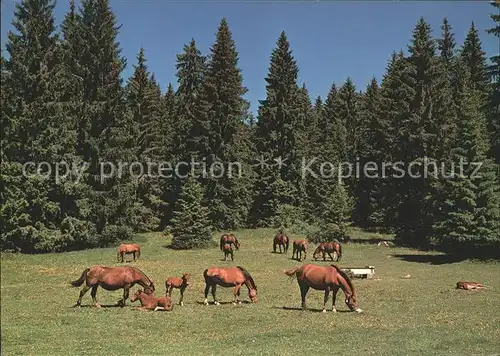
x=98 y=305
x=234 y=303
x=359 y=310
x=334 y=310
x=216 y=303
x=323 y=311
x=181 y=304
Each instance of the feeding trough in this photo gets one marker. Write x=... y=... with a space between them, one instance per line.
x=360 y=272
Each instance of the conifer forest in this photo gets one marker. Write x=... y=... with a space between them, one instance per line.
x=90 y=159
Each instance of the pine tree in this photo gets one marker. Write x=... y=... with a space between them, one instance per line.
x=223 y=108
x=494 y=99
x=279 y=136
x=474 y=57
x=190 y=224
x=446 y=44
x=470 y=219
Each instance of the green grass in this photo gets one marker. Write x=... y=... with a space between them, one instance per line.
x=423 y=315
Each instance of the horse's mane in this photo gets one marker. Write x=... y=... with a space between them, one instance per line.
x=141 y=272
x=248 y=276
x=346 y=277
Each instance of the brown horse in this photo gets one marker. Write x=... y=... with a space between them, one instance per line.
x=111 y=279
x=229 y=277
x=299 y=246
x=470 y=285
x=229 y=239
x=127 y=249
x=150 y=302
x=327 y=248
x=228 y=251
x=178 y=283
x=280 y=240
x=327 y=278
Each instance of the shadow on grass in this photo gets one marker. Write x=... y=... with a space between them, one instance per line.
x=314 y=310
x=93 y=306
x=431 y=259
x=224 y=303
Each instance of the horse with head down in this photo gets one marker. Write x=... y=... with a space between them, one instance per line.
x=229 y=239
x=111 y=279
x=229 y=277
x=280 y=239
x=327 y=278
x=328 y=248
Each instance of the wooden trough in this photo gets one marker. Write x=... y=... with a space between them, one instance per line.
x=360 y=272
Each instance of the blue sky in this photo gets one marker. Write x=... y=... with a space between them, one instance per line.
x=330 y=40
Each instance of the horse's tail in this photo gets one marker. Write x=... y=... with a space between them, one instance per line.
x=340 y=252
x=82 y=278
x=205 y=274
x=138 y=252
x=248 y=276
x=221 y=244
x=118 y=255
x=287 y=242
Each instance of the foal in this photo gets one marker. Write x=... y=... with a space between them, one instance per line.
x=178 y=283
x=470 y=285
x=150 y=302
x=228 y=251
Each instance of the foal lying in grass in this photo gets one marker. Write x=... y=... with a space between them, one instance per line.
x=150 y=302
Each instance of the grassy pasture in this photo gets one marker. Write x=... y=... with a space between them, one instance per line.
x=422 y=315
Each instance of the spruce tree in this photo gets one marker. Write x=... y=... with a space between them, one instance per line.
x=190 y=224
x=279 y=137
x=474 y=57
x=223 y=108
x=470 y=219
x=494 y=99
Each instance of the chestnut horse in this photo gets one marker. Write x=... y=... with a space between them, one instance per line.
x=299 y=246
x=281 y=239
x=127 y=249
x=179 y=283
x=111 y=279
x=228 y=251
x=470 y=285
x=150 y=302
x=229 y=277
x=327 y=248
x=229 y=239
x=327 y=278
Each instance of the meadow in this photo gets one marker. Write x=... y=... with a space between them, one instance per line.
x=422 y=315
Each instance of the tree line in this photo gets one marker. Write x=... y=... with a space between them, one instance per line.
x=63 y=100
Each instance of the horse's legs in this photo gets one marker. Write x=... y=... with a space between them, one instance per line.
x=126 y=289
x=305 y=255
x=93 y=293
x=327 y=293
x=303 y=292
x=236 y=294
x=82 y=293
x=335 y=291
x=214 y=287
x=182 y=296
x=329 y=254
x=170 y=289
x=134 y=255
x=207 y=289
x=225 y=255
x=232 y=256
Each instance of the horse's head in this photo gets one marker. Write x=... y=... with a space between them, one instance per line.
x=252 y=293
x=136 y=295
x=352 y=302
x=185 y=279
x=151 y=287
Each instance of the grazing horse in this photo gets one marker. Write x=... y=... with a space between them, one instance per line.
x=327 y=248
x=299 y=246
x=150 y=302
x=281 y=240
x=327 y=278
x=111 y=279
x=229 y=277
x=127 y=249
x=178 y=283
x=229 y=239
x=470 y=285
x=228 y=251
